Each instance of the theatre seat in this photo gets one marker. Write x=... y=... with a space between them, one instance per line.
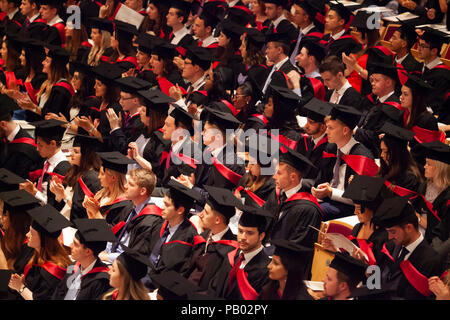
x=321 y=261
x=335 y=226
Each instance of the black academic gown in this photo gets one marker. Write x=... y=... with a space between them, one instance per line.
x=104 y=127
x=424 y=258
x=203 y=266
x=266 y=192
x=121 y=137
x=378 y=237
x=255 y=271
x=32 y=88
x=411 y=64
x=90 y=179
x=346 y=43
x=93 y=285
x=351 y=97
x=439 y=79
x=315 y=154
x=285 y=27
x=21 y=157
x=58 y=101
x=117 y=211
x=60 y=169
x=153 y=152
x=43 y=280
x=176 y=254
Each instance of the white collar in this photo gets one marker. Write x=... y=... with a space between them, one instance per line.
x=57 y=158
x=218 y=236
x=216 y=151
x=178 y=35
x=400 y=60
x=412 y=246
x=88 y=269
x=13 y=134
x=434 y=63
x=232 y=3
x=319 y=138
x=277 y=21
x=11 y=15
x=278 y=65
x=208 y=41
x=289 y=193
x=54 y=21
x=197 y=84
x=344 y=88
x=313 y=74
x=346 y=149
x=307 y=29
x=178 y=145
x=34 y=17
x=338 y=35
x=173 y=229
x=384 y=98
x=249 y=256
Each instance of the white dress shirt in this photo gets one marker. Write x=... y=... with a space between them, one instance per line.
x=337 y=94
x=53 y=162
x=178 y=35
x=249 y=256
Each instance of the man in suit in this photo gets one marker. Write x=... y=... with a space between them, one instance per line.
x=340 y=90
x=408 y=260
x=244 y=273
x=339 y=39
x=48 y=135
x=385 y=105
x=18 y=151
x=352 y=158
x=402 y=40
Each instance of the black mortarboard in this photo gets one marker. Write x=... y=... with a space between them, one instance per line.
x=50 y=129
x=14 y=40
x=385 y=69
x=107 y=72
x=94 y=233
x=435 y=150
x=165 y=50
x=341 y=10
x=231 y=29
x=86 y=143
x=147 y=42
x=408 y=31
x=173 y=286
x=181 y=191
x=115 y=161
x=351 y=267
x=58 y=53
x=183 y=116
x=263 y=149
x=53 y=3
x=124 y=29
x=283 y=3
x=18 y=200
x=416 y=84
x=5 y=276
x=81 y=67
x=361 y=19
x=314 y=48
x=156 y=99
x=434 y=37
x=222 y=200
x=295 y=159
x=240 y=15
x=278 y=37
x=284 y=100
x=285 y=247
x=224 y=119
x=253 y=216
x=317 y=110
x=181 y=5
x=48 y=220
x=102 y=24
x=200 y=56
x=9 y=181
x=393 y=212
x=255 y=37
x=135 y=263
x=364 y=189
x=8 y=106
x=346 y=114
x=132 y=84
x=310 y=8
x=397 y=132
x=200 y=98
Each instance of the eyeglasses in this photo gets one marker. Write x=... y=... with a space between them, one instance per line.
x=122 y=98
x=423 y=46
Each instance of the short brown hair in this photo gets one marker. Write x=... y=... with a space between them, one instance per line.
x=333 y=65
x=144 y=178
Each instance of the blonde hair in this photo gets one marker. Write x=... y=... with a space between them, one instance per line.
x=442 y=177
x=132 y=290
x=118 y=187
x=96 y=51
x=144 y=178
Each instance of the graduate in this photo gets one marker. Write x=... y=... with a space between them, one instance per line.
x=217 y=239
x=145 y=45
x=49 y=263
x=18 y=151
x=54 y=32
x=48 y=135
x=243 y=275
x=101 y=50
x=408 y=260
x=90 y=275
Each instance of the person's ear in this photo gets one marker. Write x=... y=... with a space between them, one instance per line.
x=180 y=210
x=262 y=235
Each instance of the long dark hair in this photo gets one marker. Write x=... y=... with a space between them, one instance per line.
x=12 y=58
x=294 y=281
x=219 y=85
x=89 y=161
x=418 y=107
x=400 y=161
x=224 y=54
x=156 y=25
x=86 y=90
x=125 y=47
x=15 y=235
x=169 y=66
x=34 y=59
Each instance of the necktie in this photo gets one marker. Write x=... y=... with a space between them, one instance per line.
x=208 y=242
x=44 y=171
x=200 y=43
x=123 y=230
x=297 y=45
x=425 y=70
x=156 y=252
x=335 y=97
x=336 y=169
x=27 y=23
x=402 y=255
x=394 y=270
x=235 y=269
x=269 y=79
x=74 y=287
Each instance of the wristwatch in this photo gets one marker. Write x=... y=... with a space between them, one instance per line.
x=23 y=288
